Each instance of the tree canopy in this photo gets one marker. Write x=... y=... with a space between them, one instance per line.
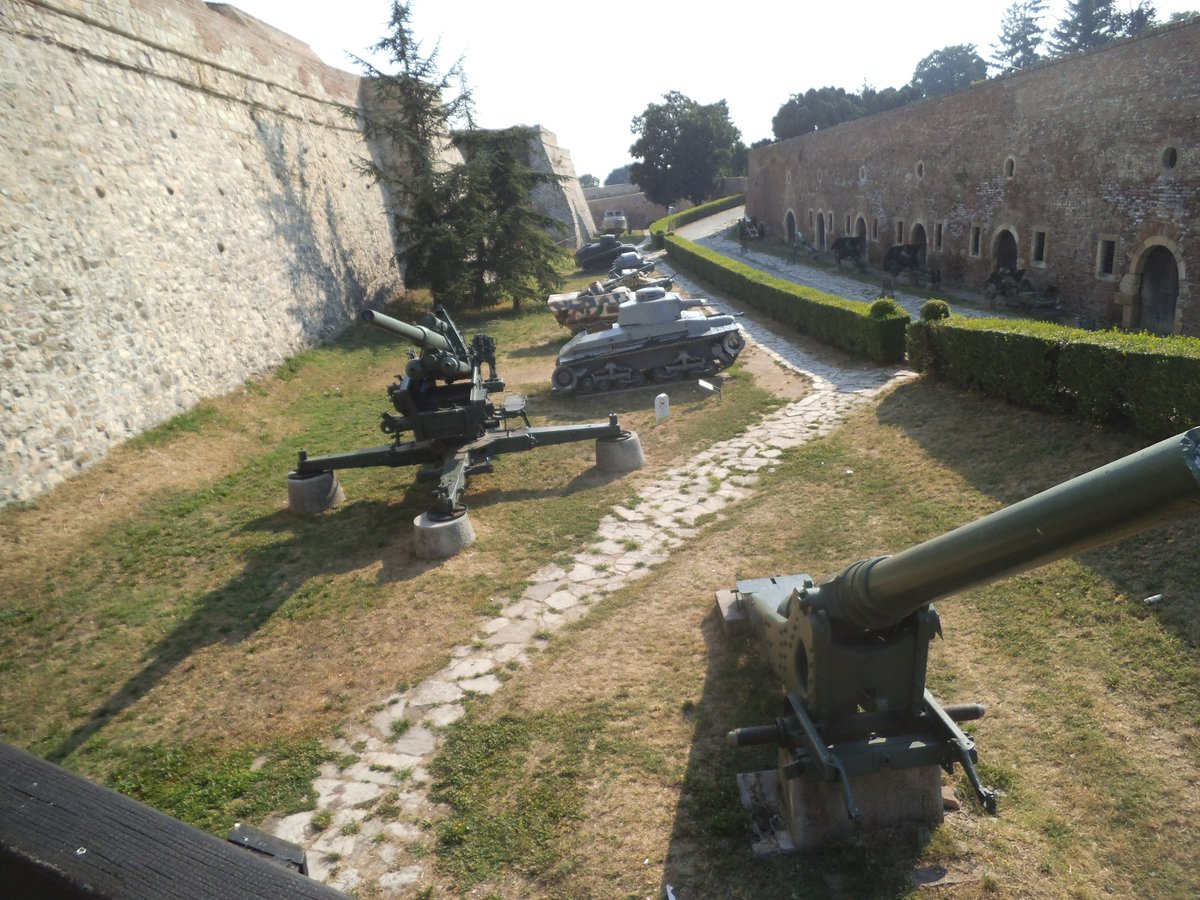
x=683 y=149
x=589 y=180
x=466 y=230
x=949 y=69
x=619 y=175
x=829 y=106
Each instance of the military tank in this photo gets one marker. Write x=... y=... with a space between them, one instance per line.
x=600 y=255
x=659 y=337
x=593 y=309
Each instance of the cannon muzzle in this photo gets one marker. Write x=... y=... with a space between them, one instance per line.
x=425 y=338
x=1148 y=488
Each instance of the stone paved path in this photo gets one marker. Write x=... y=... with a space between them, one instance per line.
x=391 y=746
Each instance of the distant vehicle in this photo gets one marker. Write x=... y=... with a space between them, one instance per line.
x=614 y=222
x=599 y=256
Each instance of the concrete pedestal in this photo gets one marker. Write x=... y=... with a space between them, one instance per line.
x=311 y=494
x=619 y=454
x=816 y=810
x=438 y=538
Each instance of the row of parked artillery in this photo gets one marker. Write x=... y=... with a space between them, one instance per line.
x=1007 y=286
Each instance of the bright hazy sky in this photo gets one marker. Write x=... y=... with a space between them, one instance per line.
x=584 y=68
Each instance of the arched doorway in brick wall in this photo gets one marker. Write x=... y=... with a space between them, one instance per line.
x=919 y=238
x=860 y=232
x=789 y=226
x=1004 y=250
x=1159 y=290
x=821 y=230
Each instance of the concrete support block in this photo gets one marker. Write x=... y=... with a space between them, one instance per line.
x=816 y=810
x=311 y=494
x=441 y=538
x=733 y=617
x=619 y=454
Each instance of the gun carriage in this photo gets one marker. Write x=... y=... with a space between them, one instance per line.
x=861 y=740
x=443 y=400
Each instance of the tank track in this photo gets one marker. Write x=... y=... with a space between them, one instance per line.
x=695 y=358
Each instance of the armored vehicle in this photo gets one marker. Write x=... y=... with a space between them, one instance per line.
x=659 y=337
x=599 y=256
x=590 y=310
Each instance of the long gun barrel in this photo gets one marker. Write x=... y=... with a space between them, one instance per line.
x=1148 y=488
x=423 y=337
x=440 y=356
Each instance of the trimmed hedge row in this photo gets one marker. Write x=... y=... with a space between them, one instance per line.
x=660 y=227
x=873 y=330
x=1140 y=381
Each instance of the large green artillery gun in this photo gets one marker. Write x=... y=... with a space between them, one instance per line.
x=861 y=740
x=443 y=400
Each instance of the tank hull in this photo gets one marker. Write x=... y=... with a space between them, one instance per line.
x=624 y=356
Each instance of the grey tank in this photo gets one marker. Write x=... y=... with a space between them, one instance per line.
x=659 y=337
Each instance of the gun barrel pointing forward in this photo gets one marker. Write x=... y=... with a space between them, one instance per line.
x=423 y=337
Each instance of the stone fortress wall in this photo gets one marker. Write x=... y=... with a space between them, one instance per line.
x=178 y=212
x=565 y=201
x=1083 y=171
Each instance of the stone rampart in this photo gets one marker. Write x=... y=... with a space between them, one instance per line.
x=178 y=211
x=1084 y=172
x=563 y=201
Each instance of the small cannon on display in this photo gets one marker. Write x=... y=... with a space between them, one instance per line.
x=443 y=400
x=861 y=740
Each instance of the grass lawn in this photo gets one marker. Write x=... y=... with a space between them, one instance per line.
x=169 y=629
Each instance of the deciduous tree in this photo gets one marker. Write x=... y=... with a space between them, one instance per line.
x=618 y=176
x=683 y=149
x=816 y=108
x=949 y=69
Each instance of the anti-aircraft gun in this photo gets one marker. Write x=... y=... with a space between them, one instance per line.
x=860 y=738
x=443 y=400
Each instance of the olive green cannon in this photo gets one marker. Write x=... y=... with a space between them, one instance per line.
x=861 y=740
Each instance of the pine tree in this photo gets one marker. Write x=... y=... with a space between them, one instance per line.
x=455 y=222
x=1021 y=34
x=1086 y=25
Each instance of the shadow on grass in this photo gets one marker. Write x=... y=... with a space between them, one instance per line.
x=710 y=851
x=334 y=543
x=546 y=349
x=1010 y=454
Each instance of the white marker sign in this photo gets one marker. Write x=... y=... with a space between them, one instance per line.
x=662 y=406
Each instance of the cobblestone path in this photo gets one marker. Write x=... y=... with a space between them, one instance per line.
x=354 y=850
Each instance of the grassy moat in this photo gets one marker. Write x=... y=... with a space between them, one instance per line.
x=171 y=630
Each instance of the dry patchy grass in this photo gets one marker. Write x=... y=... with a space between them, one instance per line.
x=1092 y=696
x=164 y=608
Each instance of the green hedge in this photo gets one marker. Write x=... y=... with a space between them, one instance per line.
x=846 y=324
x=662 y=227
x=1140 y=381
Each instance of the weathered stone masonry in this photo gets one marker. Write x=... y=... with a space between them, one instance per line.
x=1054 y=168
x=178 y=211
